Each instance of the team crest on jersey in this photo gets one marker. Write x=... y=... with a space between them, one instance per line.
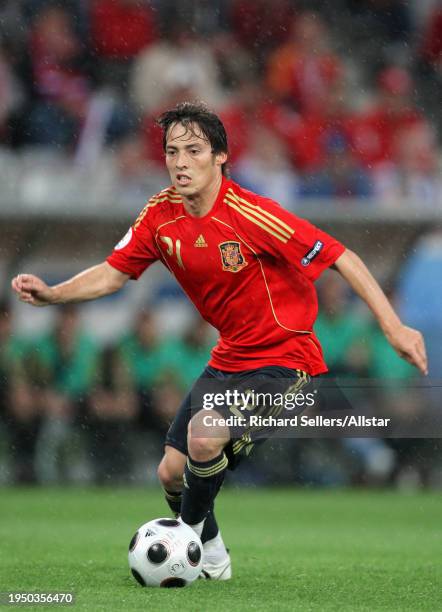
x=232 y=258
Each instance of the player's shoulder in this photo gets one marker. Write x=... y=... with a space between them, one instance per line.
x=241 y=195
x=168 y=200
x=259 y=213
x=164 y=205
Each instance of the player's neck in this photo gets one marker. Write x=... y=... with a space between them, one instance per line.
x=199 y=204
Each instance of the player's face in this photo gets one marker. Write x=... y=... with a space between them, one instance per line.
x=192 y=166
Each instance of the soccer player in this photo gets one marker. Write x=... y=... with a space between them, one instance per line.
x=249 y=267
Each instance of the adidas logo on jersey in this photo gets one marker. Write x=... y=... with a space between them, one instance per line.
x=200 y=242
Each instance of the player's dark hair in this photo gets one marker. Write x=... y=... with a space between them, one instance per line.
x=197 y=113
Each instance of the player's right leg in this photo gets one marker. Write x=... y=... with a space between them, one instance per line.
x=170 y=474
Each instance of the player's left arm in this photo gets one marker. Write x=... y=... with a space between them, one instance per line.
x=407 y=342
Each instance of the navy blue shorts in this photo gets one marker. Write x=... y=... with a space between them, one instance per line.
x=268 y=380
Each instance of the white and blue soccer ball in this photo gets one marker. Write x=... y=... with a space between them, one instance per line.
x=166 y=553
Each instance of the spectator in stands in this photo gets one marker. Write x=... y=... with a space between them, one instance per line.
x=301 y=71
x=399 y=397
x=61 y=85
x=146 y=359
x=19 y=407
x=431 y=50
x=112 y=412
x=182 y=61
x=375 y=131
x=11 y=95
x=248 y=108
x=341 y=176
x=308 y=136
x=189 y=355
x=265 y=168
x=341 y=329
x=136 y=164
x=349 y=354
x=415 y=171
x=260 y=25
x=66 y=363
x=119 y=31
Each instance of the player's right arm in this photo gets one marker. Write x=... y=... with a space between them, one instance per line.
x=95 y=282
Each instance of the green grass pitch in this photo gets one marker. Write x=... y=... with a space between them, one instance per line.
x=291 y=549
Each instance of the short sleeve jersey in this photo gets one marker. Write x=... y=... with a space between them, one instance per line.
x=249 y=267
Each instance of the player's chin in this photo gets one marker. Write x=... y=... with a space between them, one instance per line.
x=185 y=190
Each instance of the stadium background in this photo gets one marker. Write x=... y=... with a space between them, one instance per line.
x=332 y=108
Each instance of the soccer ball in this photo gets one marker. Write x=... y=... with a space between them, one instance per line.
x=165 y=553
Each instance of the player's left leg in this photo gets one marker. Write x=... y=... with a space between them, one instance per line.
x=204 y=470
x=203 y=476
x=171 y=470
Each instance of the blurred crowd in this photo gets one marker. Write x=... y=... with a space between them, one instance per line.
x=75 y=411
x=320 y=99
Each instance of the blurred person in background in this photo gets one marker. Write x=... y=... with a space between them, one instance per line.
x=260 y=26
x=112 y=411
x=346 y=336
x=66 y=367
x=61 y=85
x=397 y=392
x=301 y=71
x=180 y=60
x=375 y=130
x=65 y=107
x=414 y=173
x=265 y=168
x=341 y=176
x=11 y=96
x=19 y=402
x=307 y=136
x=119 y=31
x=146 y=358
x=190 y=353
x=341 y=328
x=431 y=45
x=429 y=64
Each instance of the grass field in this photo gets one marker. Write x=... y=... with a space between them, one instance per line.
x=292 y=550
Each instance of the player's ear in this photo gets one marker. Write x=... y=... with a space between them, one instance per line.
x=220 y=158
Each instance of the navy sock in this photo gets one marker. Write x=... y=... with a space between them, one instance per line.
x=173 y=498
x=202 y=481
x=210 y=529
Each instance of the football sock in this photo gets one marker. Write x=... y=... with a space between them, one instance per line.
x=202 y=481
x=173 y=499
x=210 y=529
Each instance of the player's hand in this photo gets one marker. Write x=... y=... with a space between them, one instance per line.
x=32 y=290
x=409 y=344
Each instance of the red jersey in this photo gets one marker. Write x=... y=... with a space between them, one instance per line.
x=248 y=266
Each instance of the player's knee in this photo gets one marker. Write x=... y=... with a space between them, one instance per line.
x=170 y=478
x=204 y=449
